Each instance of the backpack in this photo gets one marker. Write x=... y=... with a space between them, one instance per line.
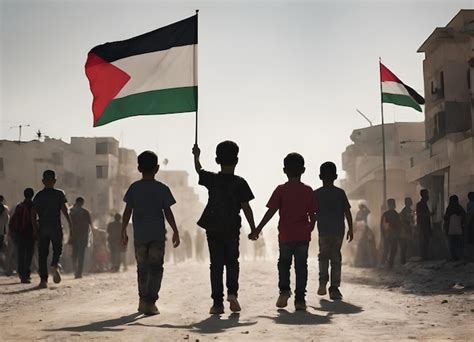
x=219 y=212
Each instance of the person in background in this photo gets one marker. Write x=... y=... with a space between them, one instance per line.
x=4 y=237
x=81 y=223
x=423 y=223
x=391 y=226
x=407 y=217
x=470 y=218
x=333 y=208
x=114 y=238
x=454 y=220
x=48 y=205
x=21 y=230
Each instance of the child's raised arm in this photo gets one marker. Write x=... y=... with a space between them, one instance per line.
x=170 y=219
x=197 y=154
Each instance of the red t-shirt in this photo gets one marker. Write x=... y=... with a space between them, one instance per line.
x=296 y=202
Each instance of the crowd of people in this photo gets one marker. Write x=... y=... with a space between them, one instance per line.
x=148 y=204
x=410 y=232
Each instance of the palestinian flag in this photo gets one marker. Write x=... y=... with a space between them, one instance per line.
x=154 y=73
x=396 y=92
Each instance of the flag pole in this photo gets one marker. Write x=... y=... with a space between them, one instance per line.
x=195 y=78
x=383 y=139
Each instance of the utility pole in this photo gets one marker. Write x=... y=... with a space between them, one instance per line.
x=19 y=130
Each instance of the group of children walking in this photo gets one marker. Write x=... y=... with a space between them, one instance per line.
x=148 y=204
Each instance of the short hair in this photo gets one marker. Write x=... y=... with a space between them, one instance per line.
x=117 y=217
x=147 y=161
x=453 y=200
x=408 y=200
x=2 y=198
x=80 y=200
x=328 y=169
x=391 y=202
x=294 y=164
x=28 y=193
x=471 y=196
x=49 y=175
x=424 y=192
x=227 y=152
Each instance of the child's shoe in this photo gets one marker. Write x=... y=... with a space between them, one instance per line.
x=141 y=306
x=322 y=289
x=283 y=299
x=55 y=270
x=300 y=305
x=334 y=293
x=151 y=309
x=234 y=303
x=216 y=309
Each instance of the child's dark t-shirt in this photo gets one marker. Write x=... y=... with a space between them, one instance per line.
x=227 y=192
x=48 y=203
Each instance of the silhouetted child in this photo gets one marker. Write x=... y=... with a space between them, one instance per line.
x=221 y=219
x=297 y=206
x=391 y=228
x=454 y=223
x=333 y=207
x=150 y=202
x=47 y=207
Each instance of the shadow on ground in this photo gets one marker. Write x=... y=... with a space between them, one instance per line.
x=28 y=289
x=106 y=325
x=299 y=318
x=338 y=307
x=212 y=325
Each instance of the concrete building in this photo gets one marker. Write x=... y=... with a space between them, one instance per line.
x=94 y=168
x=363 y=164
x=446 y=166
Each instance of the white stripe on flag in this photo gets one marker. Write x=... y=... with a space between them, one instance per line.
x=172 y=68
x=390 y=87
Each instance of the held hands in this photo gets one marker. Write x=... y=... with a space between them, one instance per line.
x=196 y=151
x=254 y=235
x=124 y=240
x=350 y=235
x=175 y=239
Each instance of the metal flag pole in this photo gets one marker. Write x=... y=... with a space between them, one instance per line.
x=383 y=138
x=195 y=79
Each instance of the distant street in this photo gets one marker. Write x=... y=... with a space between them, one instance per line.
x=102 y=307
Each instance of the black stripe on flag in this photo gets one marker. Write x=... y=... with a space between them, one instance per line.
x=181 y=33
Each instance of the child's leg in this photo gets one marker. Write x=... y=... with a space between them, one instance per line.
x=284 y=266
x=141 y=255
x=232 y=266
x=324 y=256
x=336 y=258
x=301 y=269
x=43 y=251
x=217 y=258
x=57 y=242
x=156 y=257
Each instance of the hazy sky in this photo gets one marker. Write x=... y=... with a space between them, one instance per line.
x=275 y=76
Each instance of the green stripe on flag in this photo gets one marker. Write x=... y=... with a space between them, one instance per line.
x=163 y=101
x=401 y=100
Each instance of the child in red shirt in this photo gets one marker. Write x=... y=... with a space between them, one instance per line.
x=297 y=206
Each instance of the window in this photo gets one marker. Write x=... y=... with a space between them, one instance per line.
x=102 y=172
x=441 y=83
x=469 y=79
x=101 y=148
x=1 y=165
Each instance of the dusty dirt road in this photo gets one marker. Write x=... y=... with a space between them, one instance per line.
x=410 y=303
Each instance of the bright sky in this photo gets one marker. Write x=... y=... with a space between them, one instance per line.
x=275 y=76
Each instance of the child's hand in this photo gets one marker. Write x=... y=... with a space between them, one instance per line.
x=350 y=235
x=196 y=150
x=253 y=235
x=176 y=239
x=125 y=240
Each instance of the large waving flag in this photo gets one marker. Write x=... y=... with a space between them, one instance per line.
x=396 y=92
x=154 y=73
